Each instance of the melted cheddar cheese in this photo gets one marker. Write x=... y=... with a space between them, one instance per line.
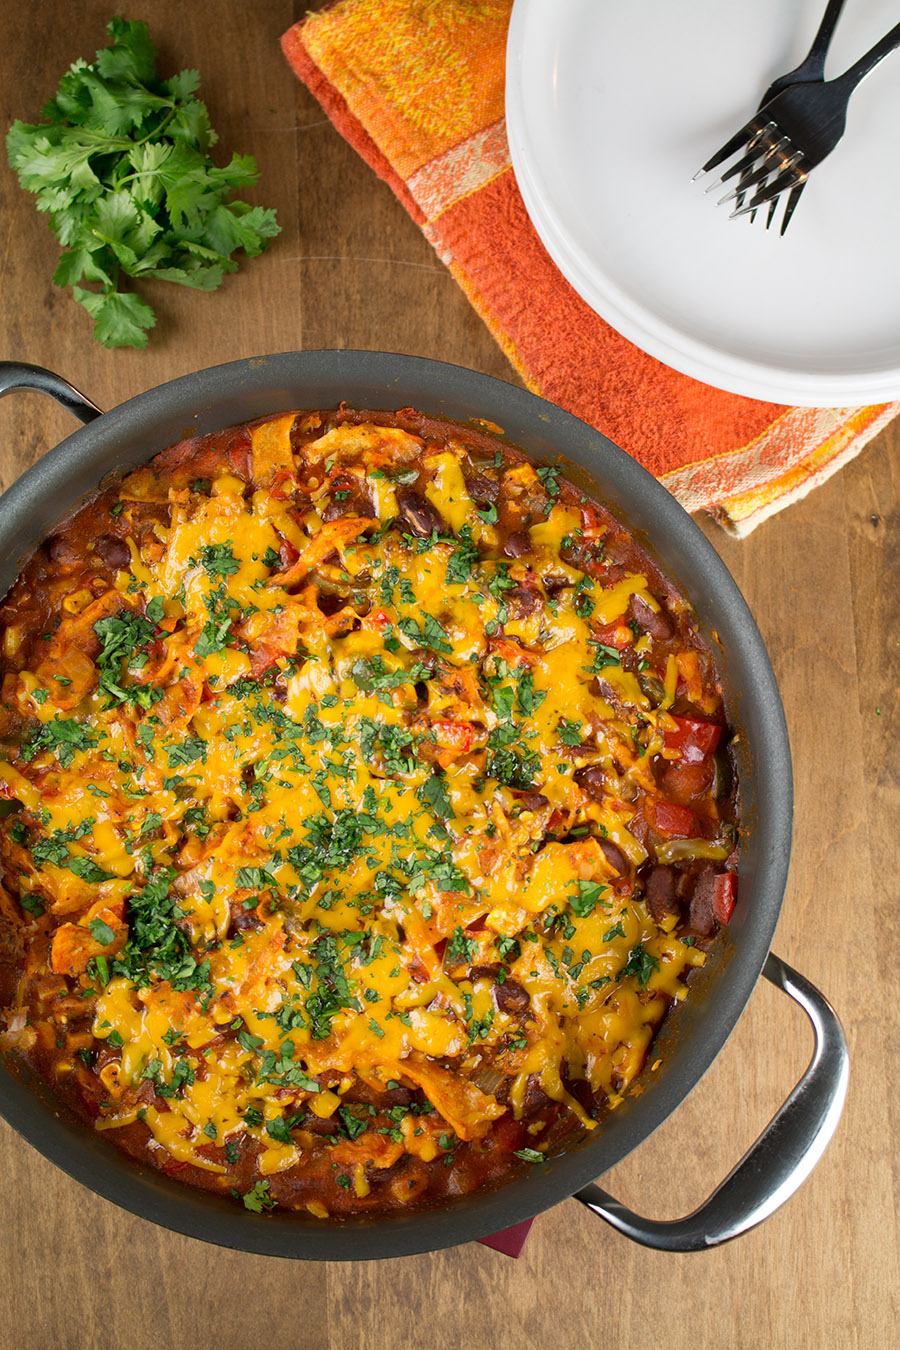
x=326 y=790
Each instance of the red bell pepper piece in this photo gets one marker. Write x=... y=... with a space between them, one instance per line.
x=287 y=554
x=617 y=635
x=510 y=1133
x=694 y=740
x=670 y=819
x=377 y=620
x=592 y=523
x=724 y=896
x=453 y=735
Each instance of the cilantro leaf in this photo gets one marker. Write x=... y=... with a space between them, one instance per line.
x=640 y=963
x=101 y=932
x=259 y=1198
x=351 y=1125
x=62 y=736
x=590 y=893
x=570 y=733
x=88 y=870
x=430 y=635
x=189 y=751
x=125 y=638
x=460 y=949
x=277 y=1129
x=255 y=879
x=433 y=793
x=463 y=558
x=218 y=560
x=516 y=770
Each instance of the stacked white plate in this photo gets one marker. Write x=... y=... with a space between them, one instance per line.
x=612 y=105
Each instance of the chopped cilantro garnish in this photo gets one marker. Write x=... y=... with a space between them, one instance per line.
x=570 y=733
x=590 y=893
x=433 y=792
x=460 y=949
x=531 y=1155
x=218 y=560
x=516 y=769
x=549 y=474
x=62 y=737
x=192 y=749
x=640 y=963
x=101 y=932
x=430 y=634
x=259 y=1198
x=463 y=558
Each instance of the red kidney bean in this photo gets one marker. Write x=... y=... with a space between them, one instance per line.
x=62 y=551
x=114 y=552
x=511 y=997
x=554 y=586
x=398 y=1096
x=419 y=514
x=613 y=855
x=330 y=605
x=483 y=972
x=482 y=487
x=592 y=780
x=655 y=622
x=518 y=544
x=316 y=1125
x=244 y=919
x=351 y=505
x=660 y=891
x=532 y=801
x=522 y=601
x=535 y=1098
x=701 y=916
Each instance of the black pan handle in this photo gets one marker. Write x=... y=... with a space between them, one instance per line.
x=19 y=375
x=783 y=1155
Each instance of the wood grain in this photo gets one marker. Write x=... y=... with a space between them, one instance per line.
x=351 y=270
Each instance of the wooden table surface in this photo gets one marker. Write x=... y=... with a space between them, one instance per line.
x=351 y=270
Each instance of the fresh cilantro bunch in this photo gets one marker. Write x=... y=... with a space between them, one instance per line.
x=121 y=166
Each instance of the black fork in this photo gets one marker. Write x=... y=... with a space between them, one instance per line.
x=792 y=133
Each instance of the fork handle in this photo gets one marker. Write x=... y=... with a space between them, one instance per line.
x=851 y=78
x=813 y=67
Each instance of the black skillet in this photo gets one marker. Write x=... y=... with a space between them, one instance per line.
x=113 y=442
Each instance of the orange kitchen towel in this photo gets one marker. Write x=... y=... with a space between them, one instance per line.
x=417 y=88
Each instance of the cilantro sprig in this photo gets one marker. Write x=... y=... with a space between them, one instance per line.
x=121 y=167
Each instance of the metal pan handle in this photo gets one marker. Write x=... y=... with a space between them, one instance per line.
x=19 y=375
x=780 y=1160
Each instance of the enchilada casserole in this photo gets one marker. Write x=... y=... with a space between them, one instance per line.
x=369 y=801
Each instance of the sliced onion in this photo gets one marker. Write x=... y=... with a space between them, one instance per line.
x=684 y=850
x=488 y=1080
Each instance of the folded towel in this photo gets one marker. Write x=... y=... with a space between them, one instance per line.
x=417 y=88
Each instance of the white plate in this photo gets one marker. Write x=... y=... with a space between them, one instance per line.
x=612 y=105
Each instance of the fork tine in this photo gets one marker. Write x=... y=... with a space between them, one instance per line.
x=759 y=150
x=770 y=215
x=791 y=204
x=783 y=182
x=760 y=174
x=746 y=133
x=791 y=177
x=742 y=185
x=761 y=144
